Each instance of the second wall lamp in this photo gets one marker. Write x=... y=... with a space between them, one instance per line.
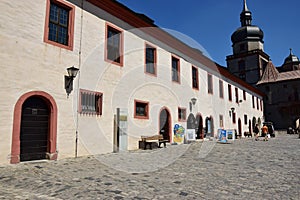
x=72 y=73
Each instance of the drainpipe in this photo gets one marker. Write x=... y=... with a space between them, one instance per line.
x=78 y=80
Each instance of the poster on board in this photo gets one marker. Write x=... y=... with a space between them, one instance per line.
x=222 y=135
x=230 y=134
x=190 y=134
x=179 y=132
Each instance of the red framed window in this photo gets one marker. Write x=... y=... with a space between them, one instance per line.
x=229 y=93
x=244 y=95
x=59 y=24
x=114 y=45
x=221 y=89
x=221 y=121
x=245 y=119
x=90 y=102
x=234 y=117
x=141 y=109
x=175 y=69
x=181 y=114
x=236 y=95
x=209 y=84
x=195 y=79
x=150 y=60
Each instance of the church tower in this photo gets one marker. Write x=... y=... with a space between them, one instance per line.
x=248 y=60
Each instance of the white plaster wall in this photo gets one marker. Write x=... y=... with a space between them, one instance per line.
x=29 y=64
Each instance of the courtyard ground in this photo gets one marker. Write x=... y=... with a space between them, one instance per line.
x=244 y=169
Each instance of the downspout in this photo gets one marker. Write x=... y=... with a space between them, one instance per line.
x=78 y=80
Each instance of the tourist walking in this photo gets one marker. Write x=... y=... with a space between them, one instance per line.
x=265 y=132
x=256 y=131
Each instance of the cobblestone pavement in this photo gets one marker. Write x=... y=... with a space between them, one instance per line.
x=245 y=169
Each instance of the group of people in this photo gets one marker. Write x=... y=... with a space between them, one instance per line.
x=264 y=131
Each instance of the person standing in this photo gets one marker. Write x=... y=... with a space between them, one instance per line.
x=264 y=130
x=256 y=131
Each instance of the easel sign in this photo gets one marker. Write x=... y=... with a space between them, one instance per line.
x=230 y=134
x=223 y=136
x=190 y=135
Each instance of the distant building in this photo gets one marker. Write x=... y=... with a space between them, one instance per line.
x=282 y=93
x=281 y=85
x=129 y=69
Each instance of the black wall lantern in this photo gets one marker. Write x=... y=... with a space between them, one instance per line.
x=72 y=72
x=231 y=111
x=192 y=103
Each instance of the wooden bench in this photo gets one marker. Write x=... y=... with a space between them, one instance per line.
x=148 y=140
x=238 y=136
x=247 y=134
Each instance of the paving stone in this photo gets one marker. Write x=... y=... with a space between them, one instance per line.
x=245 y=169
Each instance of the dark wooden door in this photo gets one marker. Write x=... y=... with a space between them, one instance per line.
x=164 y=124
x=191 y=122
x=240 y=127
x=250 y=127
x=199 y=127
x=34 y=129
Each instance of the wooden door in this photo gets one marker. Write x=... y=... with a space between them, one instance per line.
x=34 y=129
x=164 y=124
x=199 y=128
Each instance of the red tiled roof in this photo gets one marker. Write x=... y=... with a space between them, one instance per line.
x=271 y=75
x=289 y=75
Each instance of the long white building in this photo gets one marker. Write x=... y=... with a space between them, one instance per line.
x=126 y=64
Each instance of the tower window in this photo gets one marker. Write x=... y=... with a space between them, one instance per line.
x=242 y=47
x=242 y=73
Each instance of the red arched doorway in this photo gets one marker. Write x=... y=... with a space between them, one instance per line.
x=209 y=126
x=165 y=124
x=34 y=129
x=191 y=122
x=199 y=127
x=31 y=110
x=239 y=127
x=250 y=127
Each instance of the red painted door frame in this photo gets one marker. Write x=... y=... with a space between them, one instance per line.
x=15 y=147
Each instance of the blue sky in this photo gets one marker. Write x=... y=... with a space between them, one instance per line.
x=211 y=23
